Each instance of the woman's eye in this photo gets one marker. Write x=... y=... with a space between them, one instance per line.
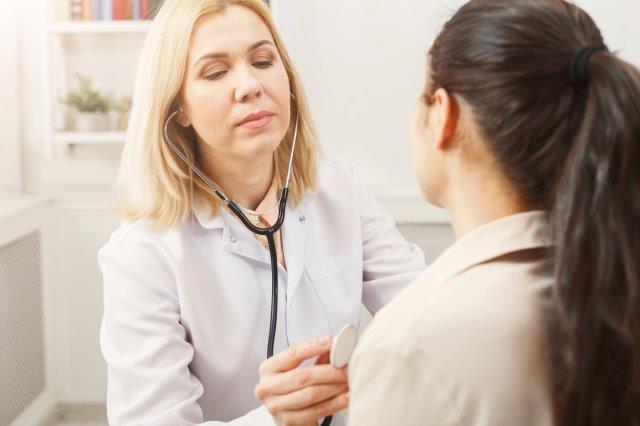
x=262 y=64
x=215 y=76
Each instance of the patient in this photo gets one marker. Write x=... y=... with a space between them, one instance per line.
x=528 y=133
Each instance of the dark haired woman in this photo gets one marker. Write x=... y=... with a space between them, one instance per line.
x=528 y=133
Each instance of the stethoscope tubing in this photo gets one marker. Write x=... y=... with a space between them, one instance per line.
x=270 y=234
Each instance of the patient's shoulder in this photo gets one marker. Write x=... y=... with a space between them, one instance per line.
x=473 y=320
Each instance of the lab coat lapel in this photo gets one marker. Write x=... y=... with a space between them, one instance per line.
x=294 y=232
x=239 y=240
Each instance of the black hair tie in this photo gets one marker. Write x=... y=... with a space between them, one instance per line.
x=579 y=71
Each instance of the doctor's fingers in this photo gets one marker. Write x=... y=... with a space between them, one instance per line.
x=324 y=358
x=311 y=415
x=304 y=398
x=294 y=355
x=300 y=378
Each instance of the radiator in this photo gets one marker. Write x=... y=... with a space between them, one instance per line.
x=433 y=238
x=22 y=352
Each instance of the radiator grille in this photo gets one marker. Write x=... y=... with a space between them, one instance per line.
x=22 y=367
x=433 y=238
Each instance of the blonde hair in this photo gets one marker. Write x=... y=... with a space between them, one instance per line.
x=158 y=186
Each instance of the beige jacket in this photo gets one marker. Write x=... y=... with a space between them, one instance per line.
x=465 y=343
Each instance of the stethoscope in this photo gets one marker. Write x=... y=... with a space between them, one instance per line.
x=239 y=211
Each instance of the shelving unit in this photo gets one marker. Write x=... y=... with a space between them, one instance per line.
x=58 y=30
x=106 y=52
x=99 y=27
x=109 y=68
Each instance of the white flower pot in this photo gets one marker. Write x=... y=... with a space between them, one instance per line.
x=91 y=121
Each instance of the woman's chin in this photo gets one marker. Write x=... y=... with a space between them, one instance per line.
x=260 y=145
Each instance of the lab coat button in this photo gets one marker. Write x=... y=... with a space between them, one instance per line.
x=233 y=239
x=302 y=219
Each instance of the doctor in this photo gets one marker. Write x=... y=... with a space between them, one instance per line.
x=187 y=287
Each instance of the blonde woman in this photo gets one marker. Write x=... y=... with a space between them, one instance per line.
x=187 y=291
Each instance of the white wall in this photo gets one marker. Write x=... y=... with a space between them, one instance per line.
x=619 y=21
x=362 y=64
x=10 y=160
x=79 y=229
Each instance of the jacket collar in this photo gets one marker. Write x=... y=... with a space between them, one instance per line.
x=522 y=231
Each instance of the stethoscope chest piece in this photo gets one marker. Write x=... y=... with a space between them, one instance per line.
x=343 y=345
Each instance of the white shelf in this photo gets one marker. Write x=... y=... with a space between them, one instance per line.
x=99 y=27
x=88 y=138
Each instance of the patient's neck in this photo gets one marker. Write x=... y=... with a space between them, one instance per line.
x=478 y=195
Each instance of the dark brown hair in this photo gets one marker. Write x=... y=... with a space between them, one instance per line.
x=573 y=149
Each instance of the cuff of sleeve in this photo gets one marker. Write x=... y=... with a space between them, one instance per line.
x=260 y=416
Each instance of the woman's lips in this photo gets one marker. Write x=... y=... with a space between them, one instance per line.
x=258 y=122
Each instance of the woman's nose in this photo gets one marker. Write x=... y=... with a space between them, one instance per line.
x=248 y=87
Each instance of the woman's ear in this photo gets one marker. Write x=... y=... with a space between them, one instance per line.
x=445 y=113
x=182 y=119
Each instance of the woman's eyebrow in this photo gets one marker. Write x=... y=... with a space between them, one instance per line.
x=215 y=55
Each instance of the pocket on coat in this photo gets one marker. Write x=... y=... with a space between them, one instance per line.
x=338 y=281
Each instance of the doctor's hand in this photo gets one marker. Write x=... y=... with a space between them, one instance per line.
x=296 y=395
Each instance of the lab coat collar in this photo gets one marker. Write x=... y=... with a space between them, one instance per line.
x=522 y=231
x=235 y=236
x=203 y=216
x=238 y=239
x=203 y=213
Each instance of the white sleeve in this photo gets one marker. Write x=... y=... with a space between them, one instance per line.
x=390 y=261
x=147 y=350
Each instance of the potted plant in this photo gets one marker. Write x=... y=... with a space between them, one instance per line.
x=91 y=106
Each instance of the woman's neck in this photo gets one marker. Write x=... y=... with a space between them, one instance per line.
x=478 y=197
x=244 y=181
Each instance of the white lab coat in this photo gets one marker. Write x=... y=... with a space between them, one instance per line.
x=186 y=311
